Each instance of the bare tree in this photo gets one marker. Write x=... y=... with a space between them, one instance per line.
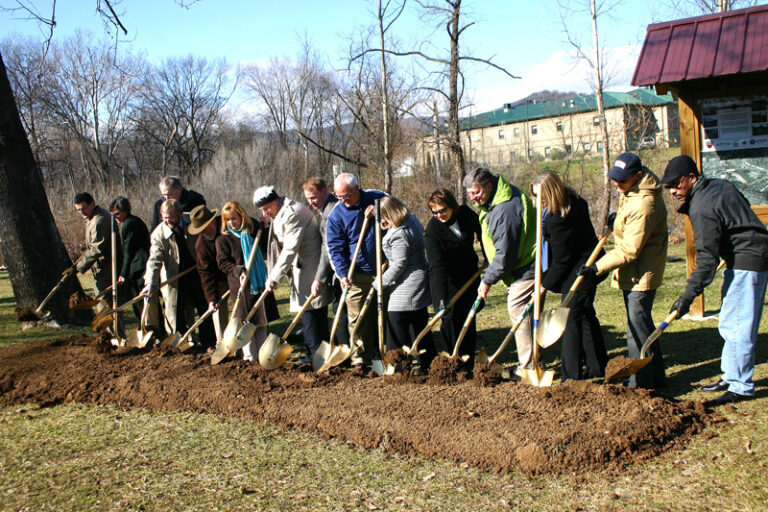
x=685 y=8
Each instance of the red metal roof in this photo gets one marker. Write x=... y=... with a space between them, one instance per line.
x=705 y=46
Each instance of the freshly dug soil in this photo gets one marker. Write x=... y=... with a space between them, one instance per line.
x=616 y=365
x=77 y=298
x=445 y=370
x=26 y=314
x=574 y=427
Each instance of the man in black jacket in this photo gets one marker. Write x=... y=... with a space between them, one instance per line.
x=171 y=188
x=724 y=226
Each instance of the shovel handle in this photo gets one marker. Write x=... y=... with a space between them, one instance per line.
x=353 y=263
x=656 y=333
x=342 y=302
x=295 y=321
x=465 y=286
x=202 y=319
x=590 y=261
x=248 y=265
x=465 y=327
x=255 y=307
x=510 y=334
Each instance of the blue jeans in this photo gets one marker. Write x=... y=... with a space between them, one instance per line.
x=743 y=293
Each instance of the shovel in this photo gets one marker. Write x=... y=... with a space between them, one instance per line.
x=378 y=364
x=89 y=303
x=230 y=333
x=104 y=318
x=341 y=354
x=182 y=342
x=140 y=337
x=476 y=307
x=413 y=350
x=244 y=331
x=635 y=365
x=64 y=276
x=482 y=356
x=328 y=351
x=275 y=351
x=113 y=256
x=552 y=324
x=536 y=376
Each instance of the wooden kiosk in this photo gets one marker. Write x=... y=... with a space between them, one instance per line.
x=717 y=68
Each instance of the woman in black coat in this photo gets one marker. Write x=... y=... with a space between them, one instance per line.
x=449 y=240
x=571 y=236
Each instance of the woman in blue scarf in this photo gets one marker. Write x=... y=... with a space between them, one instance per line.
x=233 y=250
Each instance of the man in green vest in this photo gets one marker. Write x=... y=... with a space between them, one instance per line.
x=508 y=222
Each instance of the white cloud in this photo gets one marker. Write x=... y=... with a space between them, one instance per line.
x=560 y=71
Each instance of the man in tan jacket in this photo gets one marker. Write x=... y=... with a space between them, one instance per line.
x=638 y=259
x=294 y=230
x=98 y=249
x=172 y=251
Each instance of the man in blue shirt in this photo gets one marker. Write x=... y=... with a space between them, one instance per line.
x=342 y=234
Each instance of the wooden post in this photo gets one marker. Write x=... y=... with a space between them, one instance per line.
x=690 y=144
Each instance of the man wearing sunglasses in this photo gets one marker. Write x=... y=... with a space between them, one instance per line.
x=724 y=226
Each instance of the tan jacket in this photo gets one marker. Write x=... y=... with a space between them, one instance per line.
x=163 y=263
x=296 y=232
x=641 y=236
x=98 y=251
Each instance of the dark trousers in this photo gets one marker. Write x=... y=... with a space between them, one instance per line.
x=128 y=290
x=314 y=323
x=451 y=326
x=583 y=339
x=402 y=329
x=639 y=326
x=342 y=330
x=190 y=292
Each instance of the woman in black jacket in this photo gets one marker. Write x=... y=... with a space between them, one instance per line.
x=571 y=236
x=449 y=239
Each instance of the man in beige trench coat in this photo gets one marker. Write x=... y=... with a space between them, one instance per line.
x=296 y=233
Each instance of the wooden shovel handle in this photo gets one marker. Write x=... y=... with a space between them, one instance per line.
x=511 y=333
x=656 y=333
x=590 y=261
x=256 y=306
x=379 y=280
x=248 y=265
x=465 y=287
x=350 y=273
x=465 y=327
x=202 y=319
x=295 y=321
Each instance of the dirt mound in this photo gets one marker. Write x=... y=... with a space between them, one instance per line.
x=25 y=314
x=509 y=427
x=445 y=370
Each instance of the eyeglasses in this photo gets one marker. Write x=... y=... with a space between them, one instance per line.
x=441 y=211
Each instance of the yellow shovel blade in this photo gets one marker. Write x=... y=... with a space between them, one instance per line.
x=229 y=338
x=321 y=356
x=171 y=340
x=220 y=353
x=552 y=325
x=86 y=304
x=102 y=323
x=537 y=377
x=274 y=352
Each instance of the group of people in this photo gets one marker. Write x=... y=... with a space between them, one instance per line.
x=315 y=251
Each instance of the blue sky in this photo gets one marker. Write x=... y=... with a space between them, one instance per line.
x=524 y=36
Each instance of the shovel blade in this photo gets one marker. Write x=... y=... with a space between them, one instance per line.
x=537 y=377
x=322 y=354
x=101 y=323
x=145 y=338
x=219 y=354
x=229 y=338
x=171 y=340
x=86 y=304
x=630 y=369
x=244 y=336
x=274 y=352
x=552 y=325
x=134 y=339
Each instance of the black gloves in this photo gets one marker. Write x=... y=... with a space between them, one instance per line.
x=610 y=220
x=681 y=305
x=590 y=271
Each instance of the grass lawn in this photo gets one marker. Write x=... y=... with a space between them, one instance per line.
x=86 y=457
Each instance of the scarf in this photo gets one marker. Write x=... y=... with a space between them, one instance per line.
x=258 y=274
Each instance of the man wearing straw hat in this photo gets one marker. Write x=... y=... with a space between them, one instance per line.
x=294 y=229
x=204 y=223
x=171 y=252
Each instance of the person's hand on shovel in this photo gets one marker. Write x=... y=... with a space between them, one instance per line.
x=482 y=290
x=682 y=306
x=316 y=288
x=270 y=285
x=588 y=271
x=147 y=290
x=71 y=271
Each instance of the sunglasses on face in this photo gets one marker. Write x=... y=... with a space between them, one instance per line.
x=441 y=211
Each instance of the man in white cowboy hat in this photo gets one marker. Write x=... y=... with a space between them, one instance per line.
x=295 y=230
x=205 y=224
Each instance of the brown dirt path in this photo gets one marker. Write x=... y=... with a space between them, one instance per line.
x=507 y=427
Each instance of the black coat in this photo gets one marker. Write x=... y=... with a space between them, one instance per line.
x=135 y=242
x=452 y=261
x=189 y=199
x=571 y=240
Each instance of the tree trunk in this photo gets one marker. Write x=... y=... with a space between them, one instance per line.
x=385 y=108
x=603 y=124
x=30 y=242
x=453 y=104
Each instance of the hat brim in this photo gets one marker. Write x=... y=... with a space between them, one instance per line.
x=197 y=230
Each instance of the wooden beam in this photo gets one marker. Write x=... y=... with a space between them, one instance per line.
x=690 y=144
x=762 y=212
